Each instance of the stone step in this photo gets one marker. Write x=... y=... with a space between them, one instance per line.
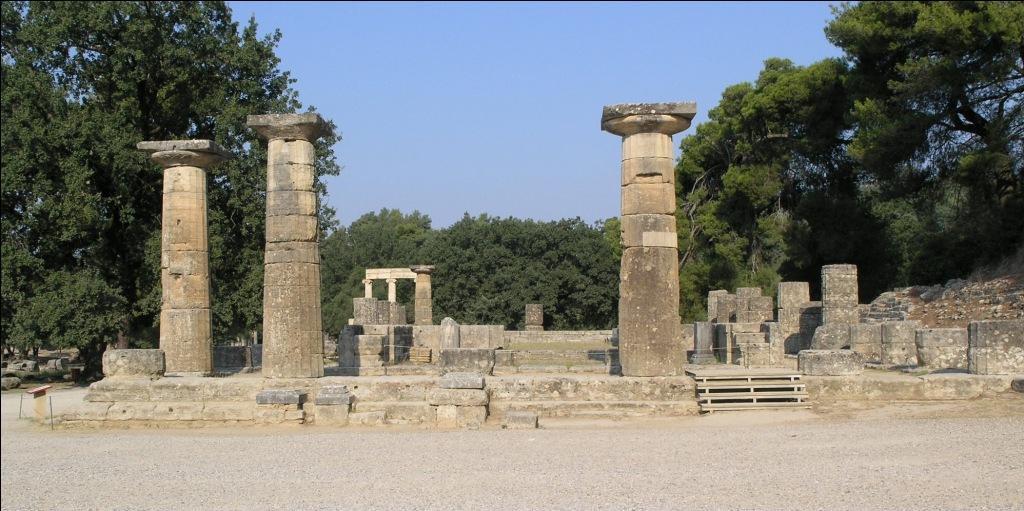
x=750 y=406
x=604 y=409
x=714 y=396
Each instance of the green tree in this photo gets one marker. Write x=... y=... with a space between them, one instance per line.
x=82 y=84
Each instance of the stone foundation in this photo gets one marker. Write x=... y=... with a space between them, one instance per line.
x=830 y=362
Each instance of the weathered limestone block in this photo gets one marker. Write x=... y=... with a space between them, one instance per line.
x=749 y=316
x=9 y=382
x=839 y=303
x=481 y=336
x=830 y=362
x=331 y=405
x=280 y=397
x=776 y=341
x=519 y=420
x=791 y=295
x=470 y=417
x=748 y=292
x=364 y=311
x=462 y=381
x=458 y=397
x=713 y=303
x=810 y=320
x=650 y=169
x=761 y=303
x=831 y=336
x=131 y=411
x=383 y=313
x=726 y=308
x=866 y=339
x=178 y=411
x=534 y=317
x=133 y=363
x=898 y=345
x=703 y=343
x=756 y=354
x=228 y=411
x=371 y=418
x=649 y=340
x=649 y=230
x=119 y=389
x=941 y=348
x=996 y=347
x=478 y=360
x=748 y=337
x=449 y=334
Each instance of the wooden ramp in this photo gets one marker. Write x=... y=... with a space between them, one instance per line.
x=749 y=389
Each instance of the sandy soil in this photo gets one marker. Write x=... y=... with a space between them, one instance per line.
x=966 y=455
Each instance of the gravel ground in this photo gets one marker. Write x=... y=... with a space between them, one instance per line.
x=953 y=456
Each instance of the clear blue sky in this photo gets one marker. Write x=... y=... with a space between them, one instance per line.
x=495 y=108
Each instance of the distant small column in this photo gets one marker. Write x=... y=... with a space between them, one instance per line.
x=534 y=317
x=367 y=288
x=292 y=328
x=392 y=290
x=185 y=323
x=424 y=295
x=650 y=337
x=839 y=295
x=703 y=343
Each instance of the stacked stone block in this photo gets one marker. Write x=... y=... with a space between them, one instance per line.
x=996 y=347
x=830 y=362
x=291 y=287
x=703 y=343
x=941 y=348
x=331 y=406
x=534 y=317
x=898 y=343
x=649 y=340
x=134 y=363
x=839 y=304
x=792 y=297
x=866 y=339
x=460 y=400
x=185 y=321
x=713 y=303
x=274 y=406
x=725 y=308
x=362 y=350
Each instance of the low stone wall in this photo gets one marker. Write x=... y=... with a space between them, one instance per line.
x=996 y=346
x=888 y=386
x=592 y=396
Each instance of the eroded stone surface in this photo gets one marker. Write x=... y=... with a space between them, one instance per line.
x=941 y=348
x=830 y=362
x=996 y=347
x=133 y=363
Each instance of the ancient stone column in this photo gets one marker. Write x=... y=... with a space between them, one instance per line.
x=392 y=290
x=650 y=343
x=424 y=304
x=534 y=317
x=703 y=343
x=291 y=278
x=185 y=325
x=367 y=288
x=839 y=295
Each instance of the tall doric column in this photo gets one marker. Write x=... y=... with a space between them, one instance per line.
x=292 y=346
x=185 y=327
x=367 y=288
x=392 y=290
x=424 y=296
x=650 y=337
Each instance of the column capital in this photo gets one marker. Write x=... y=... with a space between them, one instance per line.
x=308 y=126
x=367 y=281
x=632 y=118
x=176 y=153
x=391 y=281
x=422 y=268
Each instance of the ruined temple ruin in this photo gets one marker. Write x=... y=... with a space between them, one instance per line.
x=753 y=351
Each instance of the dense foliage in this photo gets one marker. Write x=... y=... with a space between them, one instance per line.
x=903 y=157
x=83 y=82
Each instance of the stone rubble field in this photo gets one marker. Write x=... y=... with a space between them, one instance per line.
x=965 y=455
